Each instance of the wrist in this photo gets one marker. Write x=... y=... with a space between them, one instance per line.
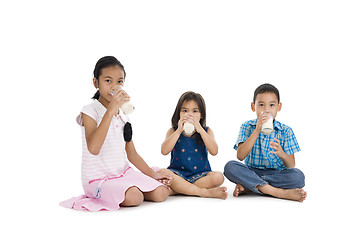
x=178 y=131
x=257 y=131
x=150 y=173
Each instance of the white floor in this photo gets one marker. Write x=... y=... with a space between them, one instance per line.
x=181 y=217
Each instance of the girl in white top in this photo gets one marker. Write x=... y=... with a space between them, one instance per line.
x=108 y=180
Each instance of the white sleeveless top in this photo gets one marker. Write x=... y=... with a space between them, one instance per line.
x=112 y=158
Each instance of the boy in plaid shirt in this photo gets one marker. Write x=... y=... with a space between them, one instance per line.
x=269 y=160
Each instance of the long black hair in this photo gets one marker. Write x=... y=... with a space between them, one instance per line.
x=105 y=62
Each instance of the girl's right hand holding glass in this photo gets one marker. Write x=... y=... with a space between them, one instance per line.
x=118 y=99
x=181 y=122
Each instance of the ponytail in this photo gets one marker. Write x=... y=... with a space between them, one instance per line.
x=96 y=95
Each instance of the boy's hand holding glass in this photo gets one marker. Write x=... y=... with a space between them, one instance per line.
x=262 y=118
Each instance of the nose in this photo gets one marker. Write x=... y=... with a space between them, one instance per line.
x=267 y=109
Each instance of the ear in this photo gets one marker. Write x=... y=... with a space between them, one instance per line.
x=95 y=82
x=279 y=106
x=253 y=107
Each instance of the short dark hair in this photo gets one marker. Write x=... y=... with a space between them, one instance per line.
x=105 y=62
x=266 y=88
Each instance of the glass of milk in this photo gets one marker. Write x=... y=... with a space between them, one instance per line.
x=267 y=127
x=188 y=128
x=127 y=107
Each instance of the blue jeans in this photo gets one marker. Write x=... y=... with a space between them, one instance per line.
x=250 y=178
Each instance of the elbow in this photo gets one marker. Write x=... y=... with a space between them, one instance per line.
x=164 y=152
x=240 y=157
x=292 y=165
x=93 y=150
x=214 y=152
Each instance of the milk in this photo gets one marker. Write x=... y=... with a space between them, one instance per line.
x=127 y=107
x=267 y=127
x=188 y=128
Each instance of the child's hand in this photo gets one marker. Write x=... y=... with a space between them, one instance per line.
x=181 y=121
x=117 y=100
x=262 y=118
x=195 y=121
x=163 y=178
x=277 y=148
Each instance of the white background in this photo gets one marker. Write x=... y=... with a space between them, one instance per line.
x=310 y=50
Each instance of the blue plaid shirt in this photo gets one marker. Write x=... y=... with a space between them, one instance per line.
x=260 y=156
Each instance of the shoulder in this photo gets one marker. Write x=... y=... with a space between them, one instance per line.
x=248 y=124
x=285 y=129
x=92 y=110
x=252 y=122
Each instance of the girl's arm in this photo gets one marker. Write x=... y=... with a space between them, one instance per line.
x=170 y=140
x=95 y=136
x=208 y=137
x=172 y=136
x=209 y=140
x=139 y=163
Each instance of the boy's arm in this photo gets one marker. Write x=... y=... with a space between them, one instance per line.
x=288 y=160
x=245 y=148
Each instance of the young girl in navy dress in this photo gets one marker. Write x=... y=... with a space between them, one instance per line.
x=108 y=180
x=189 y=168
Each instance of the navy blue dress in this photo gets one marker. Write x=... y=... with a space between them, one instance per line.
x=189 y=159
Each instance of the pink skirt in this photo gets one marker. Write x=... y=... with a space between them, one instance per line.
x=107 y=194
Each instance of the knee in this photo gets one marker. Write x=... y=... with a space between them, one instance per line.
x=298 y=178
x=229 y=168
x=133 y=197
x=160 y=194
x=217 y=179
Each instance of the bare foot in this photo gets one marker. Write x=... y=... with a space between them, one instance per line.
x=296 y=194
x=217 y=192
x=239 y=190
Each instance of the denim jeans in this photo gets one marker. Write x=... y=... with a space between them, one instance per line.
x=250 y=178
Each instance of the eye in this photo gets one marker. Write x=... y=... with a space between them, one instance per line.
x=261 y=105
x=195 y=111
x=107 y=80
x=184 y=110
x=121 y=81
x=272 y=105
